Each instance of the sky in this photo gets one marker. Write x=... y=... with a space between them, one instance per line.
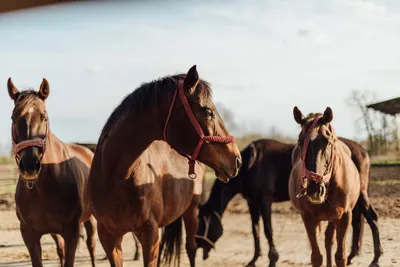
x=261 y=57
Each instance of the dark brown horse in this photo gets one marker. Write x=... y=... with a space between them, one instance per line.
x=266 y=166
x=139 y=183
x=324 y=184
x=51 y=190
x=136 y=254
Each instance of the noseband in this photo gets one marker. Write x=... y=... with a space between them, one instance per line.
x=38 y=142
x=307 y=174
x=197 y=127
x=207 y=222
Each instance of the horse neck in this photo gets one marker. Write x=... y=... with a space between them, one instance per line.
x=133 y=136
x=221 y=194
x=56 y=152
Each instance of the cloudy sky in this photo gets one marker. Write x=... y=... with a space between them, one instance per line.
x=262 y=57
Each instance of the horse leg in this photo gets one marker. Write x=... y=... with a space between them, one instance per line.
x=358 y=230
x=71 y=237
x=311 y=225
x=111 y=243
x=137 y=249
x=255 y=227
x=191 y=224
x=150 y=242
x=273 y=255
x=372 y=219
x=342 y=226
x=329 y=234
x=90 y=226
x=32 y=242
x=60 y=248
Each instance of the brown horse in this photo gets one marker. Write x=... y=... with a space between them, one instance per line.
x=139 y=183
x=51 y=189
x=324 y=184
x=262 y=180
x=136 y=254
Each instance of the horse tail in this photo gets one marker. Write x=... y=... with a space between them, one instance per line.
x=170 y=246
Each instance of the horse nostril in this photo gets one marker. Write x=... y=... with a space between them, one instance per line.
x=37 y=164
x=21 y=166
x=238 y=163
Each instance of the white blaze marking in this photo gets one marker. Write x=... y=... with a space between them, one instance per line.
x=313 y=136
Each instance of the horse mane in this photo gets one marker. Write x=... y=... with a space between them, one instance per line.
x=25 y=100
x=311 y=116
x=144 y=96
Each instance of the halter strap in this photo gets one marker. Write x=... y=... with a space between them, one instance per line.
x=307 y=174
x=197 y=127
x=38 y=142
x=207 y=222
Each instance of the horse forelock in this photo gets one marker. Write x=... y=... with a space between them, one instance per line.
x=26 y=100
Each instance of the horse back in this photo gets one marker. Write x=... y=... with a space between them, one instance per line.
x=269 y=169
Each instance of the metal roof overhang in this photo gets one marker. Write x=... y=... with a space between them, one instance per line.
x=390 y=107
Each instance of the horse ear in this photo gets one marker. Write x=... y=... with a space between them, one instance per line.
x=44 y=90
x=13 y=92
x=298 y=116
x=191 y=80
x=328 y=115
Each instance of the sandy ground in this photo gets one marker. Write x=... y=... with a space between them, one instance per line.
x=235 y=248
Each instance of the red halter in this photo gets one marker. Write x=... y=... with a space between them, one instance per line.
x=197 y=127
x=307 y=174
x=38 y=142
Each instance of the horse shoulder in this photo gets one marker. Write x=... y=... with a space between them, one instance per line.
x=350 y=174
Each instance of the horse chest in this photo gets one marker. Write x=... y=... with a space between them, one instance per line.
x=46 y=213
x=325 y=211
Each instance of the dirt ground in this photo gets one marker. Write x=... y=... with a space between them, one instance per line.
x=235 y=248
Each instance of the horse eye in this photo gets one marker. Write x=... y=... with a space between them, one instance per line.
x=209 y=113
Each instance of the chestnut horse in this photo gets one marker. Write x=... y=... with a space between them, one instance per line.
x=140 y=179
x=136 y=254
x=51 y=189
x=324 y=184
x=262 y=180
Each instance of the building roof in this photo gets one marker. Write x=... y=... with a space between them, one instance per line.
x=391 y=106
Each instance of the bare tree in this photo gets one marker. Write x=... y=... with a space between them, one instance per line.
x=359 y=100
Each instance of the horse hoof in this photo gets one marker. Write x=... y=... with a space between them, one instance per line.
x=374 y=265
x=273 y=256
x=251 y=265
x=136 y=257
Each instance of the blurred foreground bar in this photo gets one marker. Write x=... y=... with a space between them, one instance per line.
x=13 y=5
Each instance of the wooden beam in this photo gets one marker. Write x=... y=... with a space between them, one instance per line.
x=13 y=5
